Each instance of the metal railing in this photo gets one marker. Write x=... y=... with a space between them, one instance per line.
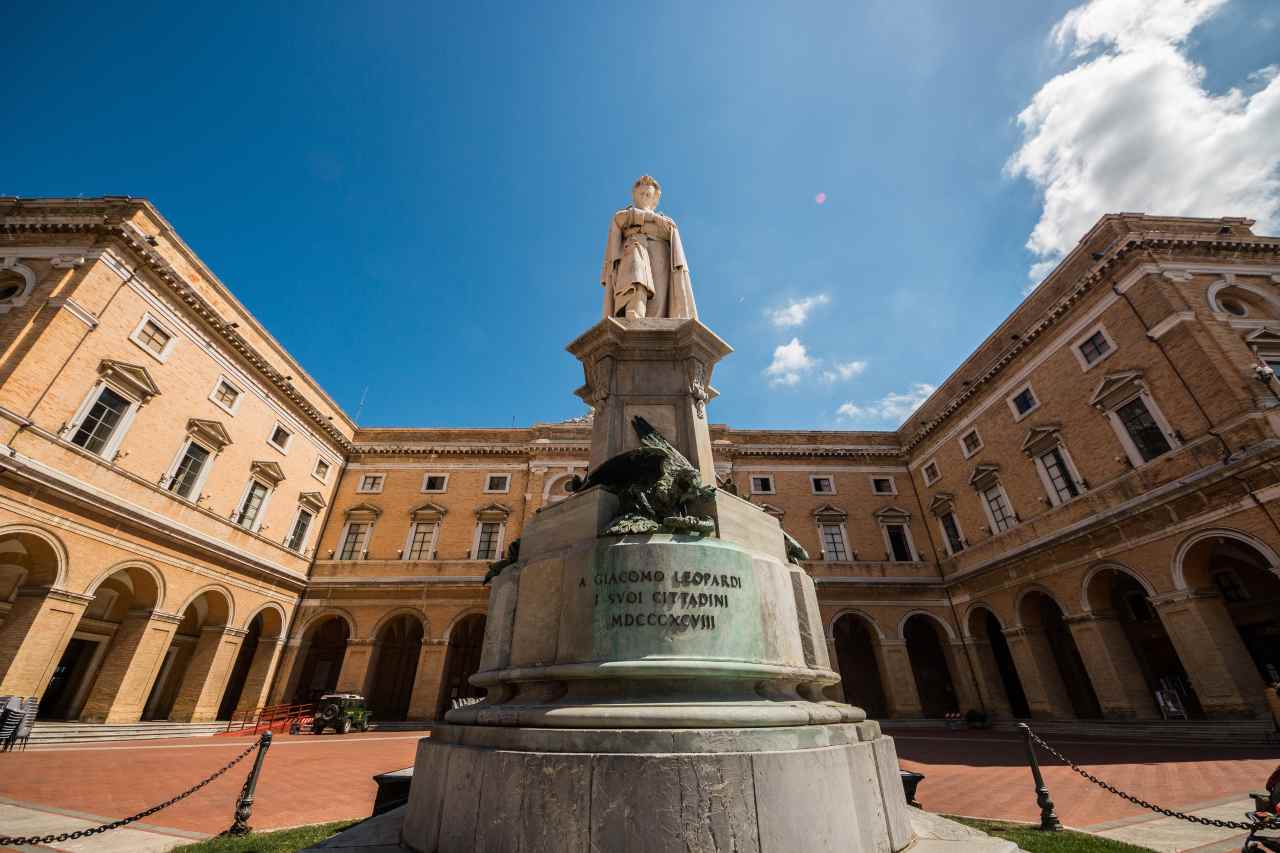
x=270 y=718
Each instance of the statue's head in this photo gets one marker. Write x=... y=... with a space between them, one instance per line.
x=645 y=193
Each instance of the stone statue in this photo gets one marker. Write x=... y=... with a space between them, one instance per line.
x=655 y=484
x=645 y=273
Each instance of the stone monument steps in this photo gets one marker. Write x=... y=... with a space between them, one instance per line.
x=47 y=733
x=1212 y=732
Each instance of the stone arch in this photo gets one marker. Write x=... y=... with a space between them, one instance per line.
x=1019 y=604
x=993 y=660
x=321 y=654
x=861 y=614
x=1043 y=622
x=262 y=610
x=1086 y=605
x=319 y=617
x=453 y=623
x=966 y=625
x=193 y=673
x=228 y=600
x=902 y=624
x=1178 y=567
x=155 y=584
x=49 y=547
x=397 y=612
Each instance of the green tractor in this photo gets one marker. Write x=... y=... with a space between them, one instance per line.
x=342 y=712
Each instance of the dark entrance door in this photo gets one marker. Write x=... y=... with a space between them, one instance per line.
x=56 y=702
x=461 y=662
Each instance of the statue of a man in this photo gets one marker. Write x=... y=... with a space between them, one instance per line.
x=645 y=273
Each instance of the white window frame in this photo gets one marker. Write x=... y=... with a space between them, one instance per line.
x=1013 y=407
x=302 y=546
x=1131 y=449
x=262 y=510
x=342 y=540
x=1054 y=498
x=172 y=471
x=844 y=538
x=913 y=556
x=213 y=395
x=506 y=489
x=360 y=487
x=435 y=538
x=813 y=485
x=773 y=484
x=498 y=545
x=1079 y=341
x=986 y=509
x=968 y=454
x=924 y=472
x=439 y=491
x=893 y=484
x=325 y=477
x=112 y=447
x=136 y=337
x=283 y=448
x=942 y=528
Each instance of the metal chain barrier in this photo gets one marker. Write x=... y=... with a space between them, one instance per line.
x=1265 y=822
x=7 y=841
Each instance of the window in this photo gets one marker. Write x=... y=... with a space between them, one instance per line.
x=970 y=443
x=822 y=485
x=931 y=473
x=487 y=540
x=1147 y=437
x=955 y=542
x=186 y=479
x=1023 y=403
x=421 y=539
x=497 y=482
x=321 y=471
x=833 y=547
x=280 y=438
x=371 y=483
x=1094 y=348
x=151 y=337
x=1233 y=306
x=226 y=396
x=12 y=285
x=355 y=543
x=1002 y=517
x=102 y=422
x=435 y=482
x=1062 y=485
x=762 y=485
x=298 y=534
x=883 y=486
x=251 y=505
x=899 y=545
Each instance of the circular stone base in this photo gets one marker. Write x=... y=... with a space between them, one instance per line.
x=798 y=789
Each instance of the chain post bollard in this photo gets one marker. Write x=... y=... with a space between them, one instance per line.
x=1048 y=818
x=244 y=805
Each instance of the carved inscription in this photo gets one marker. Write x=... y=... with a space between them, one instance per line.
x=676 y=601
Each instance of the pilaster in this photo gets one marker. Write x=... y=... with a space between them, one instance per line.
x=355 y=666
x=426 y=681
x=205 y=678
x=1113 y=669
x=990 y=685
x=1042 y=683
x=34 y=635
x=1221 y=670
x=129 y=669
x=261 y=669
x=899 y=680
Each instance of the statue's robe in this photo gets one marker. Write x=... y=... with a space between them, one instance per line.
x=645 y=268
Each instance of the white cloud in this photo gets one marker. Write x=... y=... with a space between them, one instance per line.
x=892 y=408
x=842 y=370
x=794 y=313
x=789 y=362
x=1130 y=127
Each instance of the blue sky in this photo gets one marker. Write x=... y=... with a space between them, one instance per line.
x=413 y=197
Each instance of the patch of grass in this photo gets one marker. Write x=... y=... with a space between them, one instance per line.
x=279 y=841
x=1032 y=840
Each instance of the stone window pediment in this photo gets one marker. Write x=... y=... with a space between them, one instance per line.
x=984 y=477
x=493 y=512
x=1117 y=388
x=131 y=378
x=1042 y=439
x=942 y=503
x=312 y=500
x=892 y=515
x=268 y=471
x=363 y=512
x=829 y=513
x=427 y=512
x=210 y=433
x=1264 y=339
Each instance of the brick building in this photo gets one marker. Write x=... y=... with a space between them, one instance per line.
x=1080 y=522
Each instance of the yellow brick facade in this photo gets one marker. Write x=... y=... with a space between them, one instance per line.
x=1081 y=522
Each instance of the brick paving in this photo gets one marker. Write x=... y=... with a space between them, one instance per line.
x=984 y=774
x=309 y=779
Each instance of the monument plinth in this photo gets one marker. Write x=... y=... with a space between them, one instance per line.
x=654 y=662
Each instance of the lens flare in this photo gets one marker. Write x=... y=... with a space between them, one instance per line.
x=820 y=198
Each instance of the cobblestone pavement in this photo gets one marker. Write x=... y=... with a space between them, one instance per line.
x=984 y=774
x=308 y=779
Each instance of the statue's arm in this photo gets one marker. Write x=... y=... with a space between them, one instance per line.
x=612 y=251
